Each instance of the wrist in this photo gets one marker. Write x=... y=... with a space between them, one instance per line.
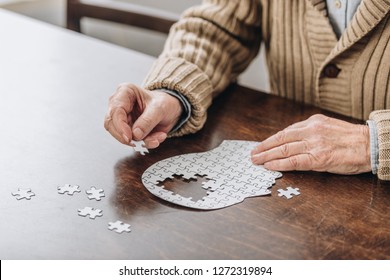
x=185 y=112
x=174 y=106
x=367 y=148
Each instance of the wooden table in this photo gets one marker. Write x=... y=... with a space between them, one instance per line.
x=54 y=87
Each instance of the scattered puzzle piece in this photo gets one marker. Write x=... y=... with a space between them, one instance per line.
x=289 y=192
x=23 y=194
x=91 y=212
x=231 y=176
x=96 y=194
x=140 y=147
x=67 y=188
x=119 y=227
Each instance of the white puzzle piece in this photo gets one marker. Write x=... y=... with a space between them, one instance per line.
x=23 y=194
x=139 y=146
x=231 y=175
x=94 y=193
x=69 y=189
x=289 y=192
x=91 y=212
x=119 y=227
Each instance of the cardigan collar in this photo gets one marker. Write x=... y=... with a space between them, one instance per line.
x=368 y=15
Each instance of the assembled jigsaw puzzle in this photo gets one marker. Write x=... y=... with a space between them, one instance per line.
x=231 y=176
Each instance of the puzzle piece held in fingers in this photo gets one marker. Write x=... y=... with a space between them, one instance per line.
x=139 y=146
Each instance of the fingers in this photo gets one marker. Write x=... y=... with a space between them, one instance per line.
x=118 y=120
x=283 y=151
x=293 y=133
x=299 y=162
x=319 y=143
x=147 y=121
x=137 y=114
x=282 y=137
x=122 y=125
x=154 y=139
x=116 y=123
x=288 y=149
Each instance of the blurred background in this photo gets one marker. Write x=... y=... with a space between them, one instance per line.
x=145 y=41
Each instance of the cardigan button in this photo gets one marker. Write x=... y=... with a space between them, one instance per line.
x=331 y=71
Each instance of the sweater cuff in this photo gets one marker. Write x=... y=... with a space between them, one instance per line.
x=382 y=121
x=182 y=76
x=374 y=147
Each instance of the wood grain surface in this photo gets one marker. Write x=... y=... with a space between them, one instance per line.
x=54 y=93
x=335 y=217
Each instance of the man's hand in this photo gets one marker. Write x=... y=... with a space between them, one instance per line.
x=138 y=114
x=319 y=143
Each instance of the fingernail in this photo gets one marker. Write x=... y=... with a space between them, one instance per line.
x=257 y=159
x=126 y=138
x=154 y=144
x=254 y=159
x=255 y=155
x=161 y=138
x=137 y=133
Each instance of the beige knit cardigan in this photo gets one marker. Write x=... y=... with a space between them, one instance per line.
x=213 y=43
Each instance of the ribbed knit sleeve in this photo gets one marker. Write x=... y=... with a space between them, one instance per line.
x=382 y=120
x=205 y=51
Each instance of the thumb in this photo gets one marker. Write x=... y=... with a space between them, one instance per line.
x=146 y=122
